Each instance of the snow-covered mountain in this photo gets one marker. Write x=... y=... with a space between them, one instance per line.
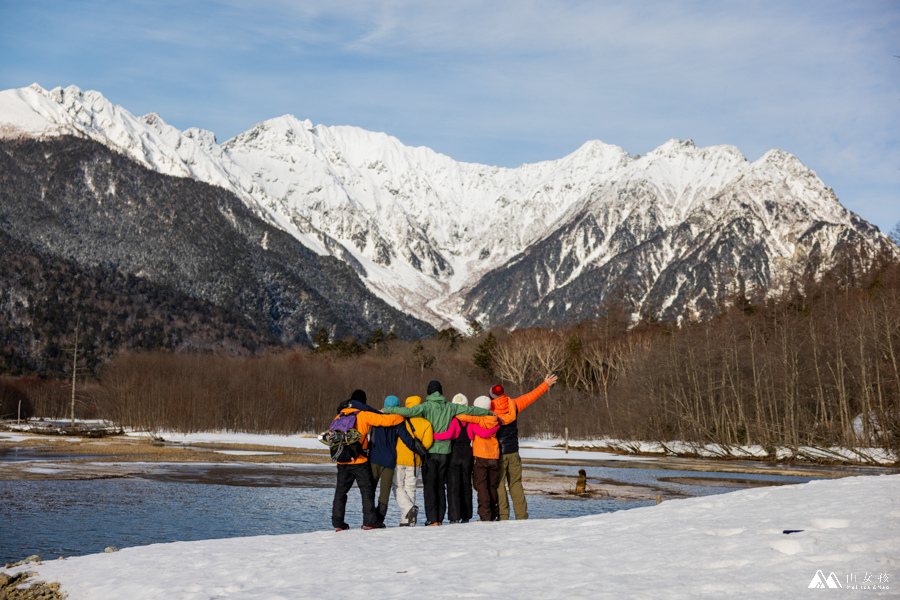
x=448 y=241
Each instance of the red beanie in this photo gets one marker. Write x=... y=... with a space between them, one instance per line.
x=496 y=391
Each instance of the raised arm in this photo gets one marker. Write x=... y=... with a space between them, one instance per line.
x=523 y=401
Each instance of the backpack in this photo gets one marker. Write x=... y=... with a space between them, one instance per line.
x=343 y=439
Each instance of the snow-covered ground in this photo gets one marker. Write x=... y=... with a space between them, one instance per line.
x=873 y=456
x=306 y=441
x=726 y=546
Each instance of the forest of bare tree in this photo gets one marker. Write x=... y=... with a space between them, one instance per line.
x=817 y=364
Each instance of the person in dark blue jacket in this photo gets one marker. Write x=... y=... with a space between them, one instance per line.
x=383 y=457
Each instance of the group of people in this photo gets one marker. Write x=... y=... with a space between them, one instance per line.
x=467 y=446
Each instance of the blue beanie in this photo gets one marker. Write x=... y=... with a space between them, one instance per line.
x=391 y=401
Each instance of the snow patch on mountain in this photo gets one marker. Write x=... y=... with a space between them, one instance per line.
x=423 y=230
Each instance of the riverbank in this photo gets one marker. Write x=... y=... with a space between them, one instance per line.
x=615 y=481
x=24 y=456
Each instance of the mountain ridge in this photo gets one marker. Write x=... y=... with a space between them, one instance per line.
x=76 y=199
x=425 y=232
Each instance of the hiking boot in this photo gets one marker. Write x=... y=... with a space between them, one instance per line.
x=430 y=524
x=463 y=520
x=343 y=527
x=404 y=524
x=412 y=515
x=453 y=522
x=374 y=526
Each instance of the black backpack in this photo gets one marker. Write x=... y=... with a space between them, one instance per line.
x=418 y=448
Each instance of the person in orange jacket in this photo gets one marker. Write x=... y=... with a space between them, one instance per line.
x=358 y=469
x=507 y=409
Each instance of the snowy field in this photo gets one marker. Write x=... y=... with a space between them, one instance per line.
x=726 y=546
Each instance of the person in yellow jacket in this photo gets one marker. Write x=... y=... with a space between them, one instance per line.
x=358 y=469
x=405 y=477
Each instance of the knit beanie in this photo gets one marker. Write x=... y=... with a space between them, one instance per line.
x=461 y=400
x=391 y=401
x=413 y=401
x=496 y=391
x=359 y=396
x=435 y=386
x=482 y=402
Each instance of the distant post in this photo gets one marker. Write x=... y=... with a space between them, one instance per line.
x=567 y=440
x=74 y=371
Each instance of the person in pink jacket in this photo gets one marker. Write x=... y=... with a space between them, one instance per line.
x=486 y=450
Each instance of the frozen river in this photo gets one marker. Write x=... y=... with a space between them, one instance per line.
x=186 y=502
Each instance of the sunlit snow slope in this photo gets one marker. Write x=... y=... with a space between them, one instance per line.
x=447 y=241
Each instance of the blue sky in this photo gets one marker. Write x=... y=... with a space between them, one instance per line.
x=500 y=82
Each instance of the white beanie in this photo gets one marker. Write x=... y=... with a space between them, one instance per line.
x=482 y=402
x=460 y=399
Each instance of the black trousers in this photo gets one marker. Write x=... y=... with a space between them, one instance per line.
x=485 y=475
x=459 y=488
x=434 y=481
x=346 y=475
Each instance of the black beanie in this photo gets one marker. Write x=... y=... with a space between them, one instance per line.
x=359 y=396
x=435 y=386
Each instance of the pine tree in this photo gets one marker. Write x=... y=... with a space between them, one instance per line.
x=484 y=354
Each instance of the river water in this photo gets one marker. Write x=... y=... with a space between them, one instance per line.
x=185 y=502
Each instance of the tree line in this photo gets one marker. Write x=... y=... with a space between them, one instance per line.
x=816 y=364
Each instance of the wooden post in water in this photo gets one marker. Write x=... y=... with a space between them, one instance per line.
x=567 y=440
x=19 y=417
x=659 y=499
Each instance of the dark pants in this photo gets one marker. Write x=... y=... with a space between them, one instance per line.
x=459 y=489
x=346 y=475
x=434 y=481
x=383 y=477
x=485 y=476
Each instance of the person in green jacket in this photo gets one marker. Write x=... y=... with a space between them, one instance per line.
x=437 y=411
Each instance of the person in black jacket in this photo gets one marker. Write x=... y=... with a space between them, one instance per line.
x=459 y=472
